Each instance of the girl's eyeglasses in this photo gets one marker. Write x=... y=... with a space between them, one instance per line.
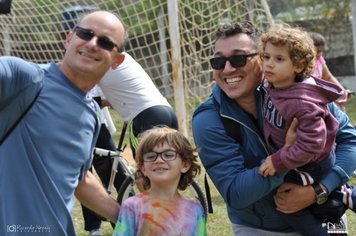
x=166 y=155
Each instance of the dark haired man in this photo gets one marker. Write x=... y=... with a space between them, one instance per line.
x=233 y=166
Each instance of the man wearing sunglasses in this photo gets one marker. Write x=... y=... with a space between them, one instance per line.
x=44 y=160
x=252 y=201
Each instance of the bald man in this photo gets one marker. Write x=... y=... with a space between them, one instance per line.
x=44 y=161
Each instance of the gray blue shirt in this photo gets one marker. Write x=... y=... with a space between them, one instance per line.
x=44 y=158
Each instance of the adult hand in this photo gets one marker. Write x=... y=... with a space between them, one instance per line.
x=291 y=198
x=291 y=135
x=105 y=103
x=91 y=193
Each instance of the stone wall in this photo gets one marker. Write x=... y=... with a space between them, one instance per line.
x=338 y=34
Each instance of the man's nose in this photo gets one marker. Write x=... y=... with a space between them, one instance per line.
x=228 y=67
x=93 y=42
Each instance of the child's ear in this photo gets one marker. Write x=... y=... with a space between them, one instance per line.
x=186 y=166
x=299 y=69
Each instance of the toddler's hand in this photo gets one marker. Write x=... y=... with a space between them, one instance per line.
x=267 y=168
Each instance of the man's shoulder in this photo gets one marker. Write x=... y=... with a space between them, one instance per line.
x=206 y=105
x=12 y=59
x=19 y=69
x=14 y=62
x=205 y=119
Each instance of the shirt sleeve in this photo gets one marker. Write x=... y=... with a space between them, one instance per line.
x=345 y=151
x=18 y=76
x=20 y=82
x=125 y=225
x=201 y=222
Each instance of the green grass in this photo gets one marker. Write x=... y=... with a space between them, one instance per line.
x=351 y=109
x=218 y=223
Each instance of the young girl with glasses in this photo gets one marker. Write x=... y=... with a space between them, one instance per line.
x=167 y=161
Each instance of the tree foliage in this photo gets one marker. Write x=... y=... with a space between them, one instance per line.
x=294 y=10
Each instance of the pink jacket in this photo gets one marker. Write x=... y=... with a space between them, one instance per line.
x=317 y=127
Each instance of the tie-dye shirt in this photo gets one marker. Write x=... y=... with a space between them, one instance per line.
x=149 y=216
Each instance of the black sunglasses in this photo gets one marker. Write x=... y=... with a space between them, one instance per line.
x=87 y=35
x=218 y=63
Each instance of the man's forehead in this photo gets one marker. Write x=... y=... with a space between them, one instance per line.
x=103 y=24
x=235 y=42
x=231 y=48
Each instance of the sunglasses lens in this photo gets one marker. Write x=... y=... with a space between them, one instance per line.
x=105 y=43
x=218 y=63
x=238 y=61
x=87 y=35
x=84 y=34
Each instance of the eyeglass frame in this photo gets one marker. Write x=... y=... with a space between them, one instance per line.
x=92 y=34
x=241 y=58
x=160 y=154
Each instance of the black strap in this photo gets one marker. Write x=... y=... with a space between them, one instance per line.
x=232 y=128
x=208 y=195
x=20 y=118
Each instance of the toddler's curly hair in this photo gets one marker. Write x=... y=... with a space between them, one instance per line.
x=300 y=46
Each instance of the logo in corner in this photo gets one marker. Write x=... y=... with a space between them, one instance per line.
x=335 y=227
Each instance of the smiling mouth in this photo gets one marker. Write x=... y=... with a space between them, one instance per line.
x=85 y=54
x=160 y=169
x=233 y=80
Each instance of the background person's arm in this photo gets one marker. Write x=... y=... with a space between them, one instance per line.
x=327 y=75
x=93 y=195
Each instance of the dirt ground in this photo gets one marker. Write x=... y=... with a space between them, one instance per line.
x=128 y=155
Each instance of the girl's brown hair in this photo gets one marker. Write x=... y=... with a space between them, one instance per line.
x=159 y=135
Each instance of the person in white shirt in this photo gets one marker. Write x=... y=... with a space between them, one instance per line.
x=132 y=93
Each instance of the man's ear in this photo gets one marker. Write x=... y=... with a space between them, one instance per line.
x=118 y=60
x=68 y=38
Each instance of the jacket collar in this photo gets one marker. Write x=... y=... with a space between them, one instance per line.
x=230 y=109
